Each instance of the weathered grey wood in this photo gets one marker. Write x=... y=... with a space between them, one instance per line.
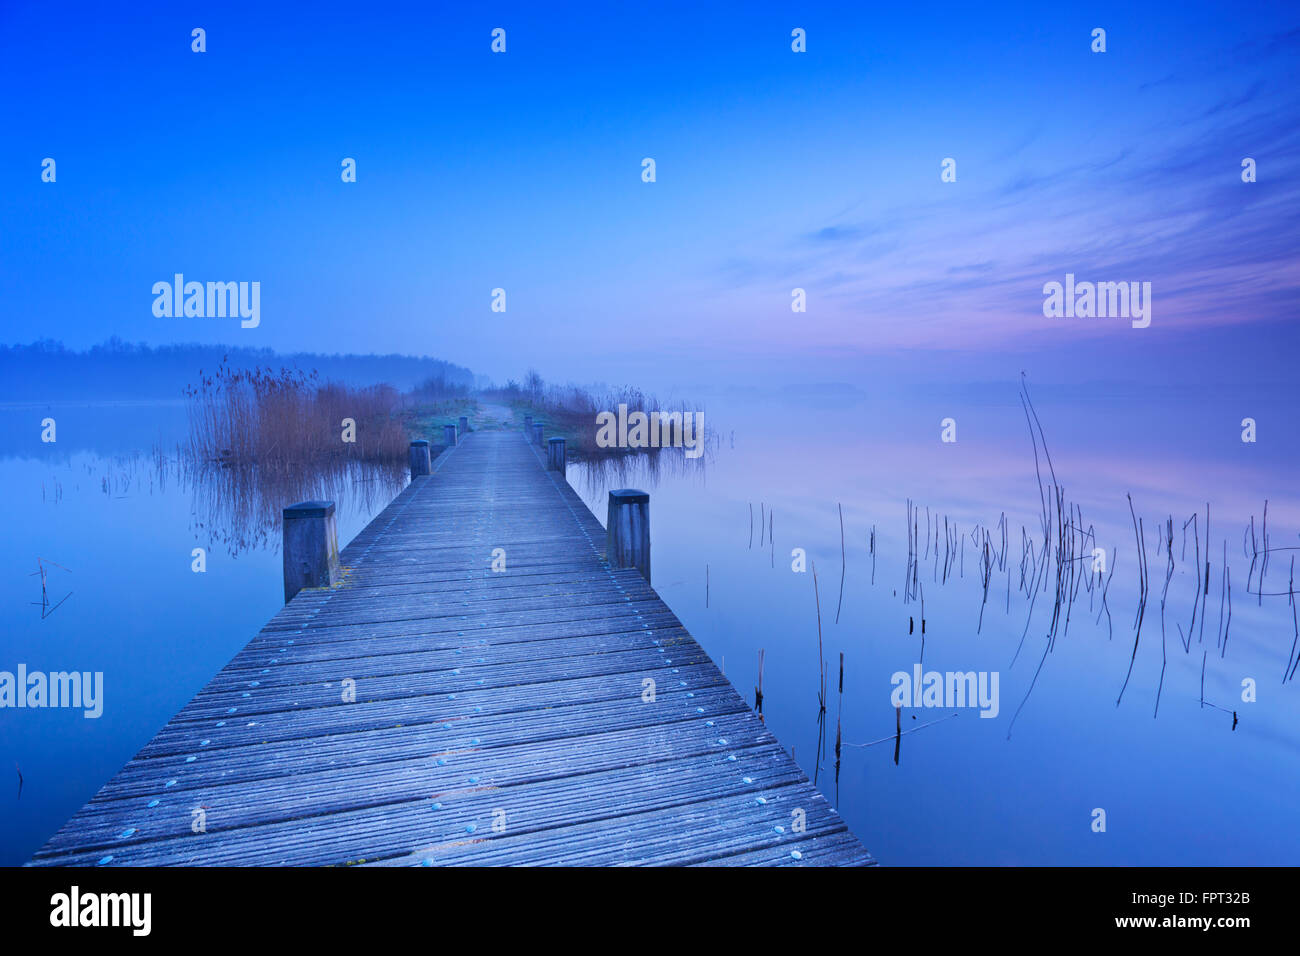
x=537 y=434
x=394 y=718
x=421 y=462
x=555 y=458
x=449 y=434
x=464 y=425
x=627 y=530
x=528 y=427
x=310 y=547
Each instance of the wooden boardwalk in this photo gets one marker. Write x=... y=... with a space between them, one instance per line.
x=498 y=716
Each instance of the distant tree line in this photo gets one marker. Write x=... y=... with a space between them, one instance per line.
x=46 y=370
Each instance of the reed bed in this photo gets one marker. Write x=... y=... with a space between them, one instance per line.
x=289 y=419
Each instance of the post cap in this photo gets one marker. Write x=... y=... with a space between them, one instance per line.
x=628 y=496
x=552 y=441
x=419 y=441
x=309 y=509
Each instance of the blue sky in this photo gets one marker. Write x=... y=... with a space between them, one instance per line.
x=774 y=170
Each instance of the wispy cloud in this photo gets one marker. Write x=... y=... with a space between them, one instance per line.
x=1154 y=196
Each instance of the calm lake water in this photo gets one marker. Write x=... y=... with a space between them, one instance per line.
x=113 y=516
x=1182 y=787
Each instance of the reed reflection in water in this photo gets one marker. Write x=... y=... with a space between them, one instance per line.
x=240 y=507
x=591 y=475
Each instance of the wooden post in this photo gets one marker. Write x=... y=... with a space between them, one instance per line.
x=311 y=547
x=421 y=464
x=555 y=455
x=537 y=433
x=627 y=530
x=464 y=424
x=449 y=434
x=528 y=428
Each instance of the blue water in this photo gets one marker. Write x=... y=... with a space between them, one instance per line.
x=110 y=503
x=113 y=503
x=1180 y=788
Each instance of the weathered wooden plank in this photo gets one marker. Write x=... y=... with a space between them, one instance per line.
x=538 y=790
x=380 y=712
x=476 y=697
x=151 y=776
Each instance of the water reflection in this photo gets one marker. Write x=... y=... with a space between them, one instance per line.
x=591 y=476
x=48 y=603
x=241 y=507
x=99 y=576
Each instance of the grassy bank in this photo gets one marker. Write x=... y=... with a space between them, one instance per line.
x=425 y=419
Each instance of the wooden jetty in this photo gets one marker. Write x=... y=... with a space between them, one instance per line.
x=430 y=710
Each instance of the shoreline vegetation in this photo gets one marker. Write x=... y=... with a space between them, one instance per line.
x=261 y=436
x=116 y=370
x=570 y=411
x=290 y=418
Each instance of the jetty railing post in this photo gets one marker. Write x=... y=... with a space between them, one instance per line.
x=464 y=424
x=627 y=530
x=421 y=463
x=311 y=547
x=537 y=433
x=555 y=455
x=449 y=434
x=528 y=428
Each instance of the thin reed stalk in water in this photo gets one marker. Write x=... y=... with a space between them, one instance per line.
x=1205 y=594
x=1295 y=624
x=899 y=732
x=986 y=574
x=1228 y=624
x=1204 y=654
x=1223 y=587
x=843 y=563
x=872 y=546
x=821 y=657
x=1142 y=597
x=1167 y=538
x=921 y=592
x=839 y=721
x=1263 y=568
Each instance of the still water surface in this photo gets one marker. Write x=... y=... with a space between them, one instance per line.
x=113 y=513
